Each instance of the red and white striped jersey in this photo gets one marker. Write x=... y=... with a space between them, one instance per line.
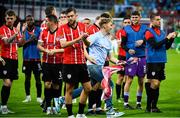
x=92 y=29
x=9 y=50
x=73 y=54
x=51 y=41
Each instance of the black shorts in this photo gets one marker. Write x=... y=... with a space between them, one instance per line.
x=10 y=70
x=52 y=72
x=1 y=70
x=75 y=73
x=29 y=66
x=156 y=71
x=121 y=58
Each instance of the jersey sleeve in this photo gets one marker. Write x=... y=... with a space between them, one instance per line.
x=123 y=33
x=148 y=35
x=118 y=35
x=92 y=38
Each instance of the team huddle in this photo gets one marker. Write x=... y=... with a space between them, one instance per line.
x=76 y=52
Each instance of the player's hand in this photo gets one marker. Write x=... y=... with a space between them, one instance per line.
x=84 y=36
x=21 y=42
x=47 y=51
x=131 y=51
x=172 y=35
x=139 y=43
x=121 y=62
x=16 y=33
x=33 y=37
x=2 y=61
x=51 y=52
x=24 y=27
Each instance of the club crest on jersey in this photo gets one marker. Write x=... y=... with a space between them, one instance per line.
x=153 y=73
x=69 y=76
x=60 y=75
x=129 y=70
x=5 y=72
x=24 y=68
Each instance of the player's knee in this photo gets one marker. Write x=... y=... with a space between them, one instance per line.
x=7 y=83
x=96 y=86
x=47 y=85
x=129 y=81
x=155 y=85
x=88 y=88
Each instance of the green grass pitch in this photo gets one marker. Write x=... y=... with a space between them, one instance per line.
x=169 y=100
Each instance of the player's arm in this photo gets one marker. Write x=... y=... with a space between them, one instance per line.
x=140 y=42
x=22 y=41
x=54 y=51
x=65 y=43
x=25 y=43
x=151 y=40
x=57 y=50
x=124 y=42
x=10 y=39
x=170 y=40
x=92 y=60
x=112 y=58
x=118 y=38
x=86 y=42
x=41 y=48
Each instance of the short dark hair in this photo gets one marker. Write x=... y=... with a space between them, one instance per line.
x=152 y=16
x=86 y=19
x=104 y=21
x=49 y=9
x=125 y=18
x=63 y=12
x=106 y=15
x=70 y=10
x=52 y=18
x=10 y=13
x=136 y=13
x=28 y=16
x=97 y=18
